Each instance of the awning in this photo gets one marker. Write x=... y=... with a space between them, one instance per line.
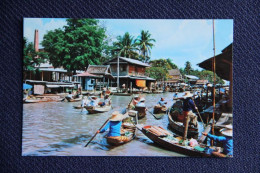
x=67 y=86
x=26 y=86
x=53 y=86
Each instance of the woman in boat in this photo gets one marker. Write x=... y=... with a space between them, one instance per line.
x=136 y=100
x=226 y=139
x=106 y=102
x=93 y=101
x=141 y=103
x=162 y=102
x=114 y=126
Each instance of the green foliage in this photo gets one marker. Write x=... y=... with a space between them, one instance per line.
x=77 y=45
x=157 y=73
x=144 y=42
x=172 y=65
x=188 y=69
x=207 y=75
x=125 y=47
x=31 y=58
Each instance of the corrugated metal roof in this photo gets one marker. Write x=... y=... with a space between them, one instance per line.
x=132 y=61
x=174 y=72
x=191 y=77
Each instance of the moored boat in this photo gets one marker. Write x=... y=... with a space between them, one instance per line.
x=77 y=107
x=73 y=100
x=166 y=140
x=178 y=125
x=157 y=109
x=31 y=101
x=97 y=109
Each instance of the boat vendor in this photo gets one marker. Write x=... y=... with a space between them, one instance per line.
x=70 y=95
x=114 y=126
x=107 y=101
x=226 y=139
x=136 y=100
x=162 y=102
x=189 y=116
x=175 y=95
x=93 y=101
x=141 y=103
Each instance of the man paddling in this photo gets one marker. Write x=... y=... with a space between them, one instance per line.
x=162 y=102
x=189 y=116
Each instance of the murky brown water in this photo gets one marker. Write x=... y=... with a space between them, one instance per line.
x=56 y=128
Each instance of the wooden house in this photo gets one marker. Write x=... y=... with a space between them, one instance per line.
x=131 y=73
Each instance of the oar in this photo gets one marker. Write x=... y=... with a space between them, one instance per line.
x=151 y=114
x=198 y=112
x=97 y=132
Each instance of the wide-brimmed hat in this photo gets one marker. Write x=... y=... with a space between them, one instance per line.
x=116 y=116
x=136 y=96
x=187 y=94
x=226 y=132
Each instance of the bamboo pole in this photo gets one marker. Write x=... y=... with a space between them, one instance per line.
x=214 y=84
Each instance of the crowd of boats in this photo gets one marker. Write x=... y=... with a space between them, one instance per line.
x=173 y=138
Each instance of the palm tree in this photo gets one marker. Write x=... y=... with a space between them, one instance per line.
x=144 y=41
x=125 y=46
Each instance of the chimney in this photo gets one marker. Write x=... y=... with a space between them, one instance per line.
x=36 y=40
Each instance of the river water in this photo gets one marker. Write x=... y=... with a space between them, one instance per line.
x=57 y=129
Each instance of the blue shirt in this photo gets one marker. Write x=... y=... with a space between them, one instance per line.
x=114 y=128
x=141 y=104
x=161 y=103
x=227 y=143
x=188 y=104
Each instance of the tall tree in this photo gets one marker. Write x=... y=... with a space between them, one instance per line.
x=158 y=73
x=77 y=45
x=125 y=46
x=173 y=66
x=144 y=42
x=188 y=68
x=31 y=58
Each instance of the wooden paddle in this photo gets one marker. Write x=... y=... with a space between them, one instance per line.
x=198 y=112
x=97 y=132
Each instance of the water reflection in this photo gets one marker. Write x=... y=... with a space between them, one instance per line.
x=56 y=128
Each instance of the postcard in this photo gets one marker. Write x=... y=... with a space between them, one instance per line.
x=127 y=87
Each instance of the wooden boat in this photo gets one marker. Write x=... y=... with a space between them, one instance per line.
x=97 y=109
x=31 y=101
x=160 y=136
x=73 y=100
x=157 y=109
x=77 y=107
x=179 y=127
x=122 y=94
x=127 y=131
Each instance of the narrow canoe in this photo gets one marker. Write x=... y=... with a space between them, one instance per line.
x=179 y=127
x=73 y=100
x=172 y=145
x=159 y=109
x=98 y=109
x=77 y=107
x=127 y=134
x=31 y=101
x=122 y=94
x=141 y=111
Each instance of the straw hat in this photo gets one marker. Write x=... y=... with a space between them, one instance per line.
x=187 y=94
x=136 y=96
x=116 y=116
x=227 y=132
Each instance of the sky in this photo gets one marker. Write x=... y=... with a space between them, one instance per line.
x=180 y=40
